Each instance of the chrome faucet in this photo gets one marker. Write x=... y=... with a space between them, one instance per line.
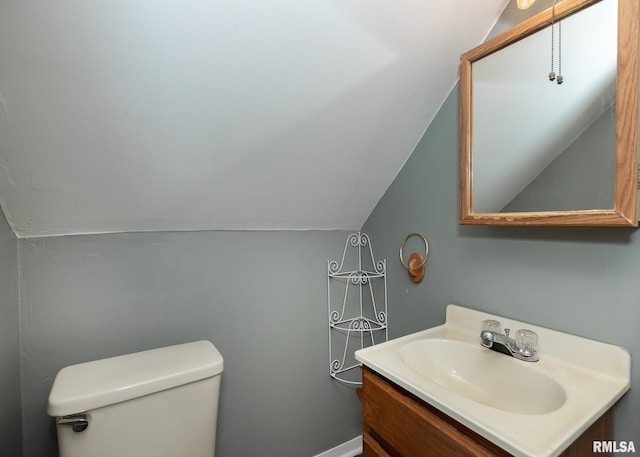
x=523 y=347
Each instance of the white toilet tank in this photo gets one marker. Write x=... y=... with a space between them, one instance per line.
x=157 y=403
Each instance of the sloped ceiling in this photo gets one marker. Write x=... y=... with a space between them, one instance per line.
x=135 y=115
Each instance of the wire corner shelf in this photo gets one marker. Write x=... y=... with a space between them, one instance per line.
x=357 y=306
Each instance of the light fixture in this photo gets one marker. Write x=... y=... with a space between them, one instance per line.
x=524 y=4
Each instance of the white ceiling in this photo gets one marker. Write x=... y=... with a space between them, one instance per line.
x=135 y=115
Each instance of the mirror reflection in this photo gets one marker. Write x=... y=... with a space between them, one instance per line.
x=539 y=145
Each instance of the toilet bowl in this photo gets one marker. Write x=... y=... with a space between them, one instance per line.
x=157 y=403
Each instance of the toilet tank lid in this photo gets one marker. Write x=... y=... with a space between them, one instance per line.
x=91 y=385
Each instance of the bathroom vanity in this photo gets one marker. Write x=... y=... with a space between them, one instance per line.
x=397 y=423
x=440 y=392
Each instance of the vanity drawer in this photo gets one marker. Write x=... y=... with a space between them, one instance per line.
x=395 y=423
x=371 y=448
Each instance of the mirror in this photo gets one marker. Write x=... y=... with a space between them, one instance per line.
x=535 y=152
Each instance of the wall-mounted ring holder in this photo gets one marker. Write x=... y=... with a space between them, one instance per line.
x=415 y=262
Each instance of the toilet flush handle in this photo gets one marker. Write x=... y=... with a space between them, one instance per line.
x=78 y=422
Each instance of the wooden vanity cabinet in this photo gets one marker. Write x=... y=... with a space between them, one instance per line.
x=398 y=424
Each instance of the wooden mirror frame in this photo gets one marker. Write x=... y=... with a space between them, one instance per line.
x=626 y=148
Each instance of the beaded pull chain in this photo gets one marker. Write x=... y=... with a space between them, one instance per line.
x=552 y=74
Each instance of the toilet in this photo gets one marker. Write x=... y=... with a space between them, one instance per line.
x=157 y=403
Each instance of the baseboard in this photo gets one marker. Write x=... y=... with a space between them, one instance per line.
x=351 y=448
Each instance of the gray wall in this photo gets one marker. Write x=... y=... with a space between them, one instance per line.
x=10 y=412
x=260 y=297
x=578 y=280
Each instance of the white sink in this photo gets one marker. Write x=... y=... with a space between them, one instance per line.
x=555 y=399
x=475 y=373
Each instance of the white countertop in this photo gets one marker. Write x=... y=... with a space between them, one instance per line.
x=594 y=376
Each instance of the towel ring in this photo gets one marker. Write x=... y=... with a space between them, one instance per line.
x=415 y=263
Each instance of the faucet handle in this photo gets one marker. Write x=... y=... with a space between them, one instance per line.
x=491 y=325
x=526 y=341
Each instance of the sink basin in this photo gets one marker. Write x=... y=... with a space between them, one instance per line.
x=532 y=409
x=484 y=376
